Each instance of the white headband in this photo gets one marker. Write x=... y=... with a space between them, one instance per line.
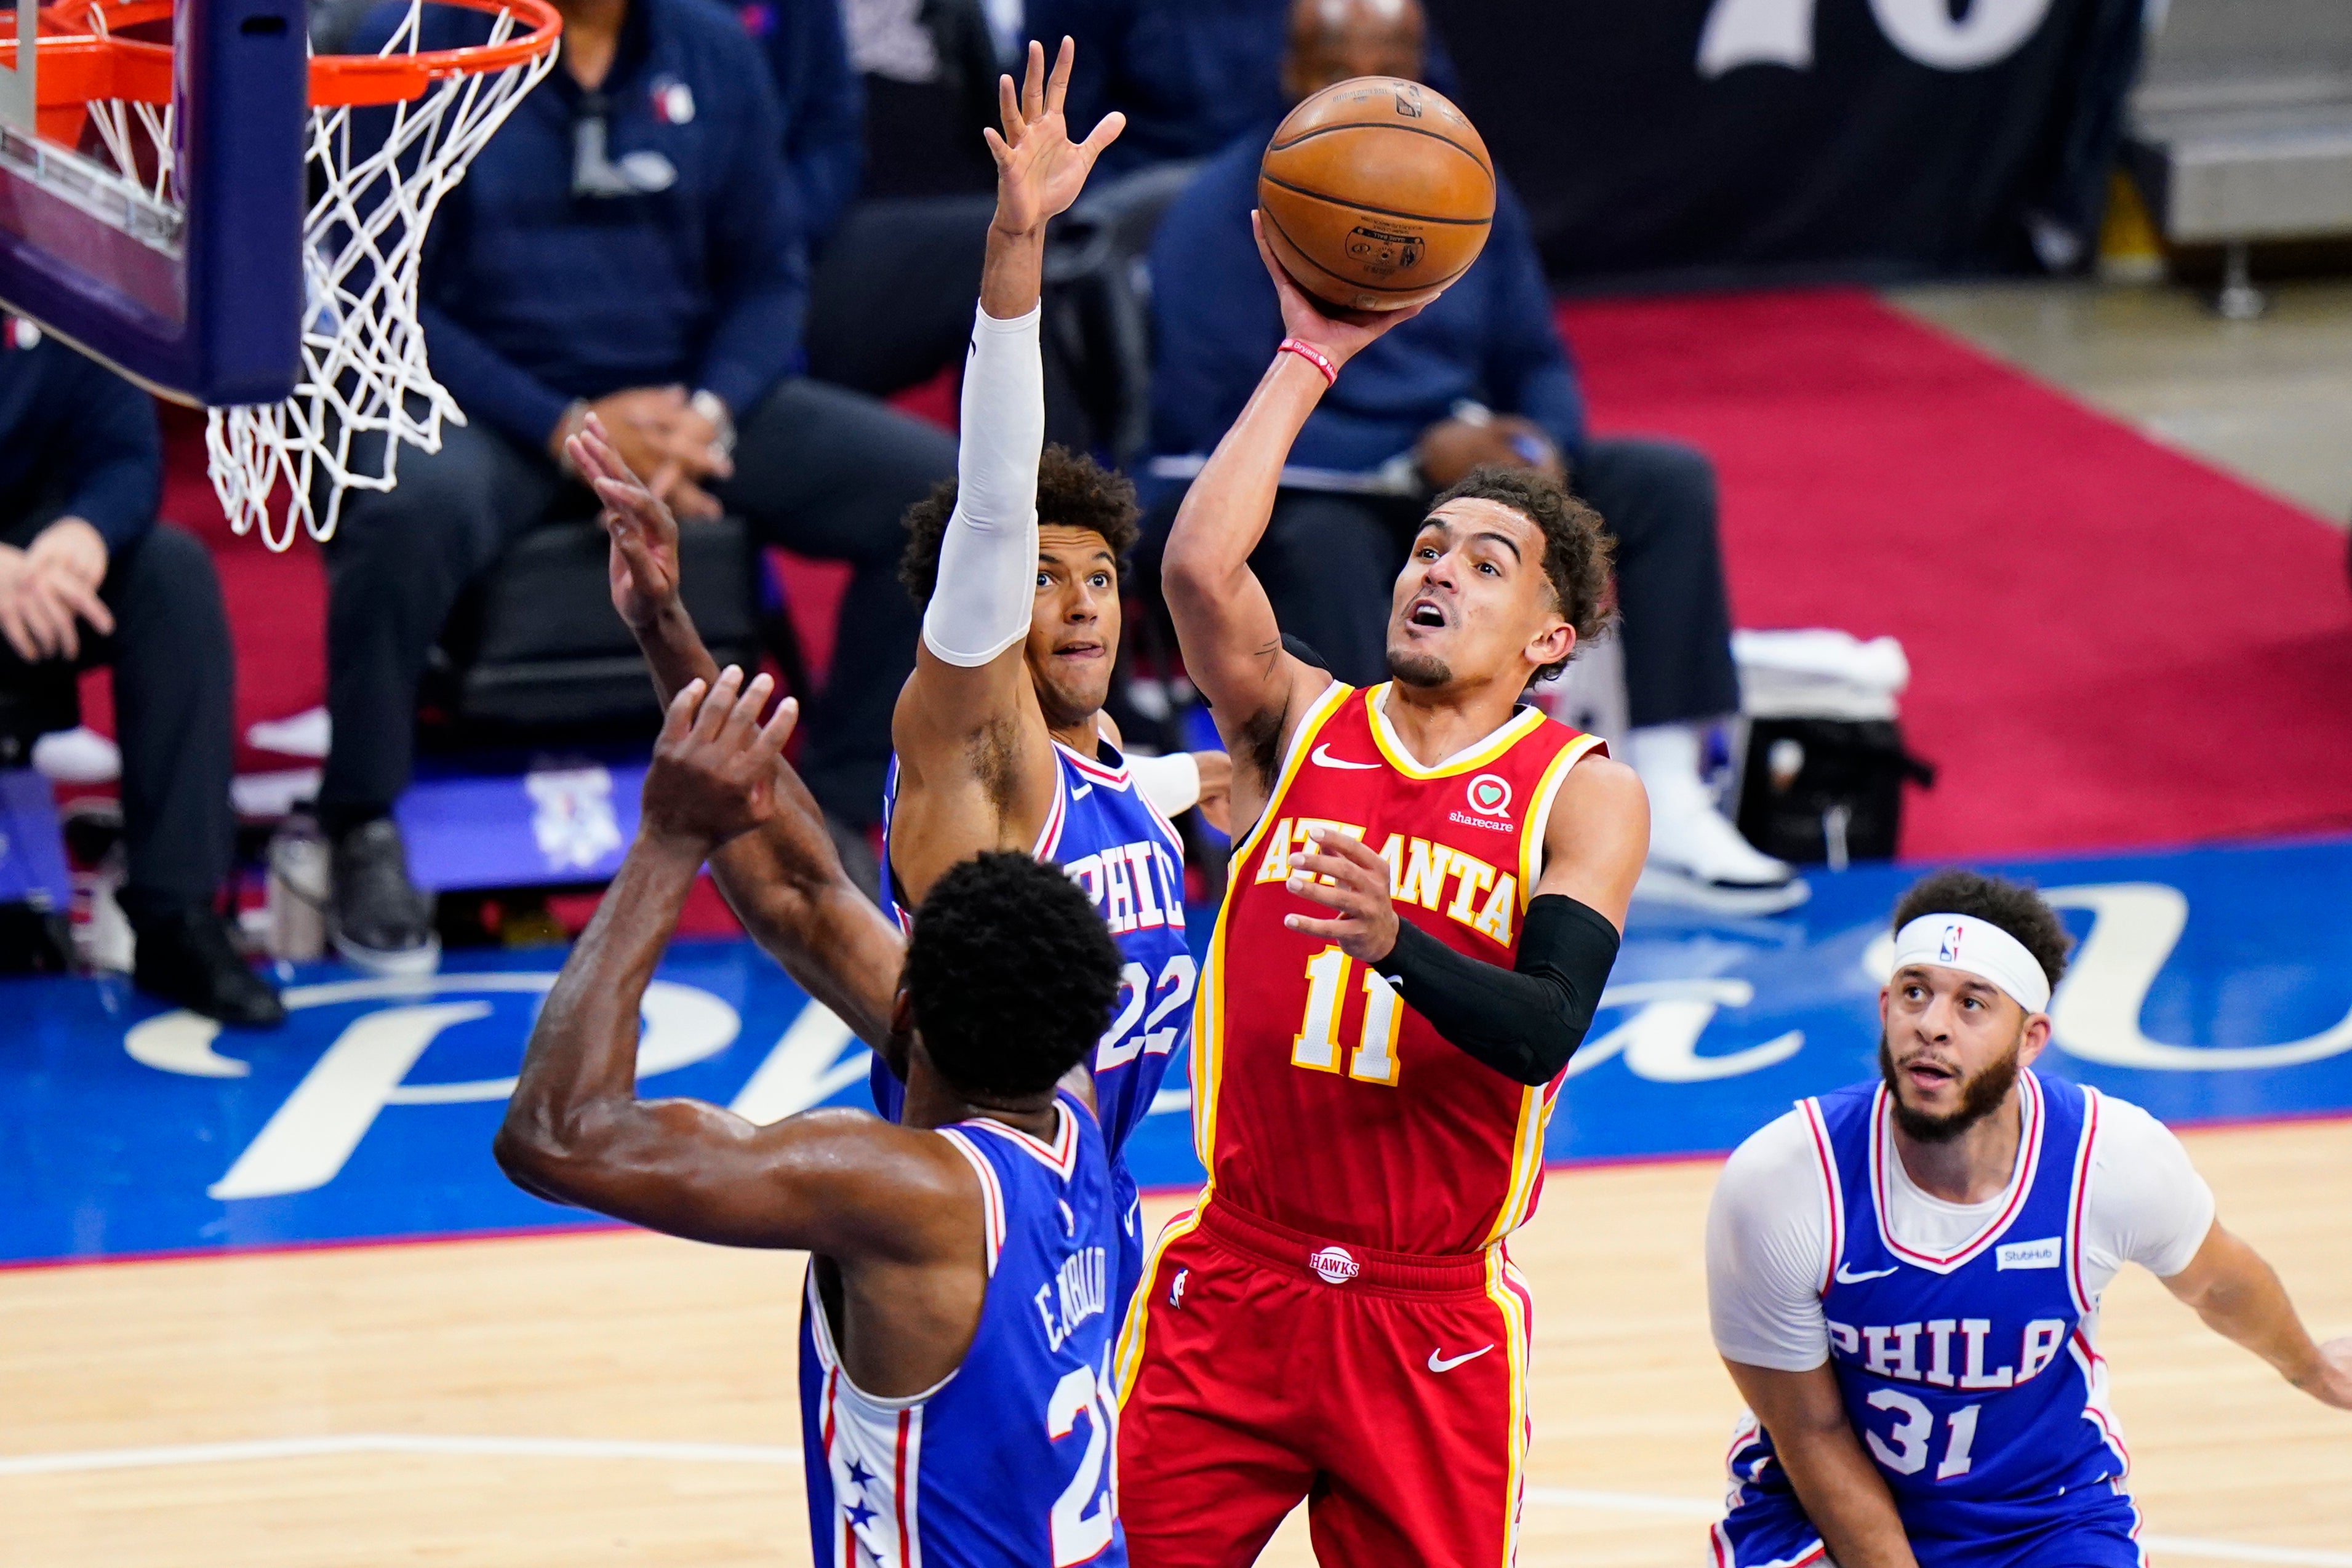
x=1975 y=947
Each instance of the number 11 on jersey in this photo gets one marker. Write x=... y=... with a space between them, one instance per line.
x=1317 y=1044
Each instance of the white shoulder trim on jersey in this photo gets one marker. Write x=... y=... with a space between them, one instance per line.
x=992 y=1195
x=1049 y=836
x=1832 y=1189
x=829 y=1357
x=2021 y=1180
x=1523 y=719
x=2077 y=1203
x=1538 y=827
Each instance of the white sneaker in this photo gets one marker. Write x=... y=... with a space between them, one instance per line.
x=304 y=734
x=1699 y=861
x=1697 y=858
x=77 y=756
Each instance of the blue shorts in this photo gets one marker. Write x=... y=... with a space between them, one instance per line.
x=2093 y=1527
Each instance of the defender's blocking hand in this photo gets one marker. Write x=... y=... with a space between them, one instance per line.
x=713 y=775
x=642 y=566
x=1039 y=170
x=1366 y=923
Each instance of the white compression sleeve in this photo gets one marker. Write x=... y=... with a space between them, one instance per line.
x=988 y=559
x=1172 y=782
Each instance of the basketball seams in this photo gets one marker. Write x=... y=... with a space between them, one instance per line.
x=1483 y=166
x=1280 y=183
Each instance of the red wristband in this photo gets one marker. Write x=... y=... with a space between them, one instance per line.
x=1313 y=356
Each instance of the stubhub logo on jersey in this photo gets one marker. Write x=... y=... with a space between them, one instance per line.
x=2206 y=984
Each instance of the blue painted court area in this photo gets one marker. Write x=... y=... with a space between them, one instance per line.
x=2210 y=984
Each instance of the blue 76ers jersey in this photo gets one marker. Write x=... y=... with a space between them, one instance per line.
x=1116 y=845
x=1008 y=1460
x=1969 y=1377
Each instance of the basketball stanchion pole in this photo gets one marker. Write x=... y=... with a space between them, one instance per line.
x=365 y=387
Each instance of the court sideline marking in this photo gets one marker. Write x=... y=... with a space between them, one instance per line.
x=420 y=1443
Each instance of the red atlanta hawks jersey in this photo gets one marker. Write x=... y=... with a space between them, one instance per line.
x=1325 y=1103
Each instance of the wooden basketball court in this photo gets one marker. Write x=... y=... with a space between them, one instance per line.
x=622 y=1398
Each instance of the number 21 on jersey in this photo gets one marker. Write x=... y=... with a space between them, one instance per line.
x=1372 y=1059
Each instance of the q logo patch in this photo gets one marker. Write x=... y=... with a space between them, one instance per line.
x=1490 y=796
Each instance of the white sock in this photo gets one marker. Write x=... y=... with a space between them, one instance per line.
x=1666 y=757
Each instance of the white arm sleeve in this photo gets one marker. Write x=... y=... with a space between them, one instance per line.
x=988 y=558
x=1768 y=1242
x=2145 y=1204
x=1172 y=782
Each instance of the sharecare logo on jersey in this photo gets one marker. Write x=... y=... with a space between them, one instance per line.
x=2042 y=1254
x=1490 y=794
x=1335 y=1265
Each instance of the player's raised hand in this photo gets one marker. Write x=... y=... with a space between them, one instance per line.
x=1039 y=170
x=1340 y=335
x=1364 y=921
x=713 y=775
x=642 y=564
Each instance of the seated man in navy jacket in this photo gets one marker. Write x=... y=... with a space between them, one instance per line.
x=1479 y=376
x=89 y=576
x=626 y=244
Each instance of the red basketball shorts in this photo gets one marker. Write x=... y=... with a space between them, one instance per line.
x=1260 y=1366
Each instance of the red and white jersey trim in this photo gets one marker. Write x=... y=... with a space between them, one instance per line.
x=2078 y=1202
x=874 y=1448
x=1832 y=1190
x=992 y=1193
x=2021 y=1180
x=1060 y=1157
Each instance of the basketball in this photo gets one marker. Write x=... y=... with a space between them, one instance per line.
x=1375 y=193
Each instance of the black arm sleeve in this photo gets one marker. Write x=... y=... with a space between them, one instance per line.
x=1524 y=1021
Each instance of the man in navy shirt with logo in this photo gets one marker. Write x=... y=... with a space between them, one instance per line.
x=629 y=243
x=89 y=576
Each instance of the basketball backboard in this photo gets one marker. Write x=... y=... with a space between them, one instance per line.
x=188 y=279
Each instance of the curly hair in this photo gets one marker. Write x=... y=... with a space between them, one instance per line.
x=1578 y=551
x=2014 y=907
x=1012 y=974
x=1073 y=491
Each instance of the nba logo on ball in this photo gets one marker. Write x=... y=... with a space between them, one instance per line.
x=1334 y=1264
x=1490 y=796
x=1950 y=950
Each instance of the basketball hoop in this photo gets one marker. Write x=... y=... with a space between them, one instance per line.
x=365 y=387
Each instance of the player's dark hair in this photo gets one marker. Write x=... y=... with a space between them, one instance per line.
x=2015 y=907
x=1073 y=491
x=1578 y=551
x=1012 y=974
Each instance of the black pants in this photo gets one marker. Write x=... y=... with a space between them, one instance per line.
x=891 y=299
x=174 y=713
x=1329 y=563
x=818 y=471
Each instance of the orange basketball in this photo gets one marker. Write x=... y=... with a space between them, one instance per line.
x=1375 y=193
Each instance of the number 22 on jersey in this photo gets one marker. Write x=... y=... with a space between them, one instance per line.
x=1317 y=1045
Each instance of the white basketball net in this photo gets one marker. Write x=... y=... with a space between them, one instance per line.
x=365 y=388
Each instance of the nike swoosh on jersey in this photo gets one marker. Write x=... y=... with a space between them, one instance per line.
x=1847 y=1277
x=1441 y=1363
x=1322 y=758
x=1083 y=791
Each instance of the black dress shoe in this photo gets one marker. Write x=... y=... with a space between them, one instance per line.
x=186 y=957
x=382 y=923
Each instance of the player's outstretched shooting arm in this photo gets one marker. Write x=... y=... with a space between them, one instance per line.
x=841 y=1182
x=976 y=768
x=1224 y=623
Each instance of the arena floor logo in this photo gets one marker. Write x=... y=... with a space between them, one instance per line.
x=1780 y=32
x=2208 y=984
